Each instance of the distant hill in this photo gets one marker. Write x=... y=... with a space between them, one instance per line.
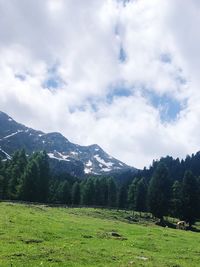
x=64 y=156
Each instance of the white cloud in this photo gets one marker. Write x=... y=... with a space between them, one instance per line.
x=81 y=40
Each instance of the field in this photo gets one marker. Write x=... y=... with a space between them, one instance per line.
x=36 y=235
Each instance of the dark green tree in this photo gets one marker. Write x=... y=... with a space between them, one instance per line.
x=131 y=193
x=190 y=198
x=64 y=193
x=76 y=194
x=176 y=204
x=28 y=188
x=122 y=197
x=44 y=176
x=112 y=193
x=87 y=192
x=15 y=170
x=159 y=192
x=98 y=196
x=140 y=201
x=2 y=187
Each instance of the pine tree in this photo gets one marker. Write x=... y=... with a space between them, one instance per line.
x=44 y=176
x=122 y=197
x=112 y=193
x=2 y=187
x=131 y=193
x=176 y=206
x=64 y=193
x=98 y=196
x=140 y=200
x=159 y=192
x=76 y=194
x=28 y=189
x=87 y=192
x=189 y=198
x=103 y=197
x=15 y=170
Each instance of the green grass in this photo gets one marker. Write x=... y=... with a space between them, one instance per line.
x=43 y=236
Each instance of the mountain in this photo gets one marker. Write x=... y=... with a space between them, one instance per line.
x=64 y=156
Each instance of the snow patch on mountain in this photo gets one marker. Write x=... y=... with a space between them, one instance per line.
x=102 y=161
x=58 y=156
x=89 y=163
x=7 y=155
x=10 y=135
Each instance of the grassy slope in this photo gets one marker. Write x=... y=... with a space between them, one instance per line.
x=43 y=236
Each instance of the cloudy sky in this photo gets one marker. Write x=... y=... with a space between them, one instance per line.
x=122 y=74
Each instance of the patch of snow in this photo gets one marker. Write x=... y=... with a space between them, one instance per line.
x=43 y=141
x=106 y=169
x=74 y=153
x=10 y=135
x=52 y=156
x=63 y=157
x=100 y=165
x=96 y=149
x=10 y=119
x=87 y=170
x=7 y=155
x=102 y=161
x=121 y=164
x=89 y=163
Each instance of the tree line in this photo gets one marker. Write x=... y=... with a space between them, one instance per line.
x=156 y=190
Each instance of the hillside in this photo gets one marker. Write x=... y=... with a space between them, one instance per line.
x=64 y=156
x=33 y=235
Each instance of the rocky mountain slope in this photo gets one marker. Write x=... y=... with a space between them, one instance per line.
x=64 y=155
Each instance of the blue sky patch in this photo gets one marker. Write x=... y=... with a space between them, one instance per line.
x=122 y=55
x=168 y=106
x=118 y=91
x=53 y=81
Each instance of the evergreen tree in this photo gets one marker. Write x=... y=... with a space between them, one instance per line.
x=28 y=189
x=176 y=206
x=99 y=196
x=15 y=170
x=103 y=197
x=2 y=187
x=87 y=192
x=140 y=196
x=44 y=176
x=190 y=198
x=122 y=197
x=64 y=192
x=159 y=192
x=131 y=193
x=53 y=196
x=112 y=193
x=76 y=194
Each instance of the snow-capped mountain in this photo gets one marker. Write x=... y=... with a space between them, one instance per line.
x=64 y=155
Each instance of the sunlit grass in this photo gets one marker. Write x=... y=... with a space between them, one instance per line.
x=43 y=236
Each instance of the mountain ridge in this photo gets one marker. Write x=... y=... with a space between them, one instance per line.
x=64 y=155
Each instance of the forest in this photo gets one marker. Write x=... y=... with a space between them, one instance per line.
x=169 y=187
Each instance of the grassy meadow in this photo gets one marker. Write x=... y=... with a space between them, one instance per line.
x=37 y=235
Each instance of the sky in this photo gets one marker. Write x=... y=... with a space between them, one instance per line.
x=120 y=74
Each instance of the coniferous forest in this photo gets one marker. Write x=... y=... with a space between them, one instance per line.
x=170 y=187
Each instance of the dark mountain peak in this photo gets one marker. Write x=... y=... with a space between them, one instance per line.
x=64 y=155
